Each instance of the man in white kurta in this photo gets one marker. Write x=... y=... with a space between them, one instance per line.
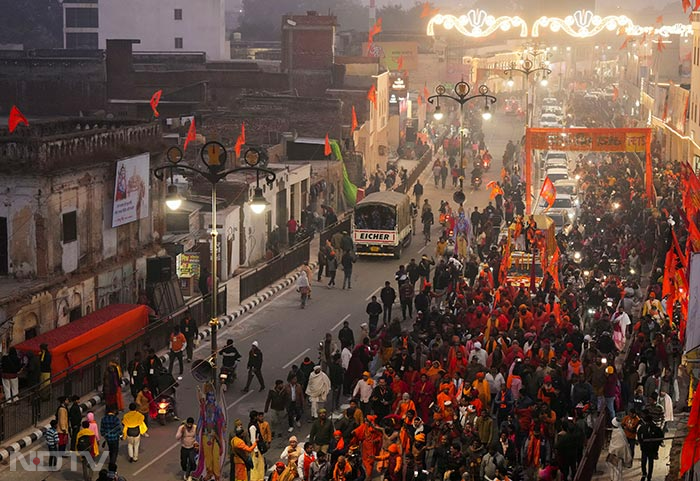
x=318 y=388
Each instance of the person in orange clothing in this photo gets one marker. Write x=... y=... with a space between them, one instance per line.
x=393 y=462
x=456 y=356
x=444 y=395
x=342 y=469
x=405 y=405
x=482 y=386
x=547 y=392
x=525 y=317
x=369 y=438
x=240 y=451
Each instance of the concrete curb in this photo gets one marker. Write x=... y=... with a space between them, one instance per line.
x=37 y=433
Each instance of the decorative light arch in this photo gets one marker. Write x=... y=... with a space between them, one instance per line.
x=477 y=23
x=665 y=31
x=582 y=24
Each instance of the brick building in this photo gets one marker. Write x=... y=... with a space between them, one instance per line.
x=64 y=250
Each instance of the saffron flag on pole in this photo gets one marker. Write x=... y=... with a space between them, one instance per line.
x=548 y=192
x=372 y=95
x=191 y=134
x=426 y=93
x=374 y=30
x=353 y=124
x=690 y=454
x=327 y=148
x=686 y=5
x=155 y=100
x=399 y=63
x=428 y=11
x=16 y=117
x=243 y=132
x=616 y=93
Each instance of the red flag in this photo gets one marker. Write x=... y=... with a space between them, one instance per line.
x=16 y=118
x=660 y=45
x=553 y=268
x=243 y=132
x=548 y=192
x=353 y=124
x=372 y=95
x=691 y=446
x=327 y=148
x=155 y=100
x=616 y=93
x=691 y=191
x=374 y=30
x=427 y=11
x=191 y=134
x=237 y=147
x=686 y=5
x=399 y=63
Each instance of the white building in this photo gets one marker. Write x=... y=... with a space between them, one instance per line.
x=160 y=26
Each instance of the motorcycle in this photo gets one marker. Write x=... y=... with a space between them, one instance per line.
x=476 y=182
x=227 y=375
x=165 y=401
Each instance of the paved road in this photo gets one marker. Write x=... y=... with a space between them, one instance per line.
x=286 y=334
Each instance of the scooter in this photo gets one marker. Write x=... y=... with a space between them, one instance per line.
x=166 y=408
x=227 y=375
x=476 y=182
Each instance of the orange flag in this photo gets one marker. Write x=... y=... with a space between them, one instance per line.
x=240 y=141
x=686 y=5
x=16 y=117
x=420 y=100
x=372 y=95
x=660 y=19
x=327 y=148
x=353 y=124
x=691 y=446
x=374 y=30
x=191 y=135
x=616 y=93
x=548 y=192
x=660 y=45
x=624 y=44
x=155 y=100
x=427 y=11
x=399 y=63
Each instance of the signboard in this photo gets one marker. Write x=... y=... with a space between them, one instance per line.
x=131 y=188
x=187 y=264
x=364 y=236
x=389 y=53
x=589 y=140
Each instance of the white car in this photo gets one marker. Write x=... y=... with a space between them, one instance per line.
x=550 y=101
x=562 y=212
x=553 y=109
x=556 y=155
x=557 y=173
x=568 y=187
x=550 y=120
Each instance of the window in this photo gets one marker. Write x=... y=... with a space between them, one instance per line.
x=83 y=40
x=178 y=42
x=178 y=14
x=81 y=17
x=70 y=227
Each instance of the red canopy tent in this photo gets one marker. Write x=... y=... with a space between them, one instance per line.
x=89 y=335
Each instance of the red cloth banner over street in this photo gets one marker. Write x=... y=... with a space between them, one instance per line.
x=588 y=140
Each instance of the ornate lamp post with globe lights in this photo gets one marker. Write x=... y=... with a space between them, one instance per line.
x=461 y=95
x=213 y=156
x=527 y=67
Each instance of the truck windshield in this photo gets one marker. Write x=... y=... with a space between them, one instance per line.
x=377 y=217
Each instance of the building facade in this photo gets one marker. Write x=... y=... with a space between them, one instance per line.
x=78 y=219
x=163 y=26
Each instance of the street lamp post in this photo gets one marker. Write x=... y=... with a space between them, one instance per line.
x=461 y=95
x=213 y=155
x=527 y=68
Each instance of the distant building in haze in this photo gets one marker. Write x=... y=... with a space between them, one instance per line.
x=162 y=26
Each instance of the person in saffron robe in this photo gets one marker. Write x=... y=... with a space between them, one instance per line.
x=423 y=395
x=369 y=437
